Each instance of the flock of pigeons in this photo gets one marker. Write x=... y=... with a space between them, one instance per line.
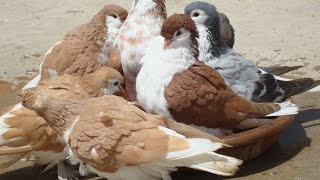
x=136 y=95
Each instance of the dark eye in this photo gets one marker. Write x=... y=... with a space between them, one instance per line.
x=179 y=33
x=195 y=14
x=114 y=15
x=116 y=83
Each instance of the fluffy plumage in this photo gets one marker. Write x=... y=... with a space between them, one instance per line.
x=87 y=47
x=119 y=141
x=241 y=74
x=24 y=132
x=173 y=83
x=135 y=35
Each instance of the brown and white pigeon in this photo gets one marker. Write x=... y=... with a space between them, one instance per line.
x=115 y=139
x=143 y=23
x=87 y=47
x=241 y=74
x=23 y=132
x=173 y=83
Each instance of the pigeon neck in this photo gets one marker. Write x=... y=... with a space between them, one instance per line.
x=215 y=44
x=213 y=34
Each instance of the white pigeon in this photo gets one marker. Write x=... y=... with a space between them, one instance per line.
x=142 y=24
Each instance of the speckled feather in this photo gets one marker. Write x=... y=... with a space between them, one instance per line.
x=110 y=135
x=25 y=131
x=199 y=96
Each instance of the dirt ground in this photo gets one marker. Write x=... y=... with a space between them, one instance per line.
x=274 y=32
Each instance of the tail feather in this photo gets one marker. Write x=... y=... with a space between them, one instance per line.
x=199 y=155
x=219 y=164
x=272 y=109
x=262 y=109
x=23 y=131
x=287 y=108
x=272 y=88
x=278 y=70
x=197 y=146
x=8 y=160
x=297 y=86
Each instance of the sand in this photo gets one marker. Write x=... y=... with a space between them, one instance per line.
x=274 y=32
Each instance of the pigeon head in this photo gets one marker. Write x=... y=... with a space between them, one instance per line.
x=113 y=15
x=105 y=80
x=203 y=13
x=207 y=15
x=180 y=31
x=153 y=6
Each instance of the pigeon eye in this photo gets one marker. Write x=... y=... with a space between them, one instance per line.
x=195 y=14
x=116 y=83
x=114 y=16
x=179 y=33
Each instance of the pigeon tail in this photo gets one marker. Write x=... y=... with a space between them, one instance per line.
x=287 y=108
x=23 y=131
x=263 y=109
x=297 y=86
x=278 y=70
x=200 y=156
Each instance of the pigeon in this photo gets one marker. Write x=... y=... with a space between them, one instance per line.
x=227 y=36
x=81 y=52
x=142 y=24
x=23 y=132
x=175 y=84
x=239 y=73
x=116 y=140
x=226 y=30
x=87 y=47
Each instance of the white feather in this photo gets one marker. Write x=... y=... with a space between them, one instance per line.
x=33 y=83
x=197 y=146
x=287 y=108
x=158 y=69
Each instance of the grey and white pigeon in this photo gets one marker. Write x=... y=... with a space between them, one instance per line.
x=241 y=74
x=227 y=34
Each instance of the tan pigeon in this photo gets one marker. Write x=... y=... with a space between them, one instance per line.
x=23 y=132
x=87 y=47
x=116 y=140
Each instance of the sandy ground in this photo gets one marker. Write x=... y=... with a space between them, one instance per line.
x=274 y=32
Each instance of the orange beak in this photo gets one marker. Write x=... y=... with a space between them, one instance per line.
x=167 y=43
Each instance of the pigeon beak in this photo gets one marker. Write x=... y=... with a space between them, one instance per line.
x=121 y=92
x=167 y=43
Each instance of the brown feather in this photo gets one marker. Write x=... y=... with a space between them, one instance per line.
x=199 y=96
x=114 y=60
x=29 y=132
x=109 y=132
